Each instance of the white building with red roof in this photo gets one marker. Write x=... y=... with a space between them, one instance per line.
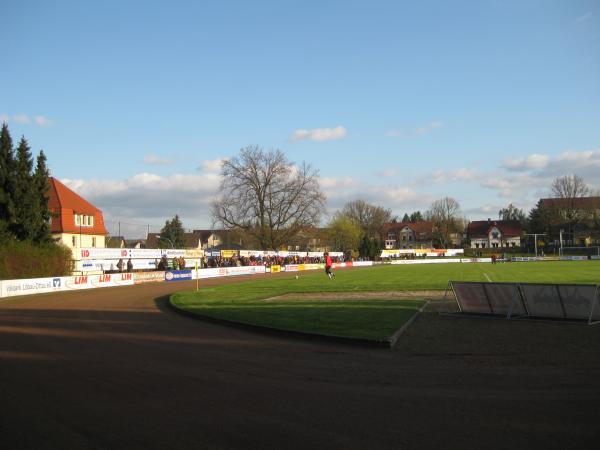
x=495 y=233
x=75 y=222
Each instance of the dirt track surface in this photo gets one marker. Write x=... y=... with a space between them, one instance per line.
x=116 y=368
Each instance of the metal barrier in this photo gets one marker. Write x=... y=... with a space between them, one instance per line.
x=554 y=301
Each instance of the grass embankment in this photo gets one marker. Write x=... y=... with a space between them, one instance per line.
x=253 y=302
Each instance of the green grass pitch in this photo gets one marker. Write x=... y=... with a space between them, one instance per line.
x=366 y=318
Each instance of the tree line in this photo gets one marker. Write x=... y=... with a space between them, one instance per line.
x=266 y=197
x=24 y=213
x=26 y=246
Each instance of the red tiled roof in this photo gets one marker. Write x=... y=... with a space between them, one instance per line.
x=575 y=203
x=64 y=204
x=507 y=227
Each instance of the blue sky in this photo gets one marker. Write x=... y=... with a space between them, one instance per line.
x=395 y=102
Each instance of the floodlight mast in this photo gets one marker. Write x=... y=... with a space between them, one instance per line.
x=535 y=235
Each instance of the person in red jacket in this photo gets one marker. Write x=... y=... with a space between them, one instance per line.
x=328 y=264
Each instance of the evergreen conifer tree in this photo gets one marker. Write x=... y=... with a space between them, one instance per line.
x=24 y=194
x=6 y=169
x=172 y=233
x=42 y=213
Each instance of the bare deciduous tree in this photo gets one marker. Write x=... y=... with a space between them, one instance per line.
x=569 y=188
x=369 y=217
x=445 y=215
x=511 y=212
x=267 y=196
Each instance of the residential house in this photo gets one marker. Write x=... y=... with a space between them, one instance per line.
x=407 y=235
x=197 y=239
x=75 y=222
x=575 y=221
x=495 y=233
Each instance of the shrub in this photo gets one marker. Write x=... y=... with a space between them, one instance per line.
x=28 y=260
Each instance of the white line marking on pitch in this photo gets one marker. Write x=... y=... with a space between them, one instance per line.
x=487 y=277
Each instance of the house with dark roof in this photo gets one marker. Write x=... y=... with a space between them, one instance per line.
x=74 y=221
x=495 y=233
x=116 y=242
x=576 y=220
x=197 y=239
x=406 y=235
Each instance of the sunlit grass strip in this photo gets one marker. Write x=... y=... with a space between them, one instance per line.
x=362 y=319
x=375 y=319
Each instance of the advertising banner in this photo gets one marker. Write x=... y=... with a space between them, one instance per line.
x=255 y=253
x=228 y=271
x=112 y=279
x=244 y=270
x=362 y=263
x=135 y=253
x=430 y=261
x=228 y=253
x=275 y=269
x=193 y=253
x=148 y=277
x=178 y=275
x=11 y=288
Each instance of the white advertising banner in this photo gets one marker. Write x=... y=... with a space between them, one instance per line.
x=9 y=288
x=362 y=263
x=31 y=286
x=228 y=271
x=110 y=265
x=136 y=253
x=94 y=281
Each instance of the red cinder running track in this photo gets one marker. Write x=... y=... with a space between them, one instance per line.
x=117 y=369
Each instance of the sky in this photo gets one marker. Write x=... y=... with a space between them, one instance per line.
x=398 y=103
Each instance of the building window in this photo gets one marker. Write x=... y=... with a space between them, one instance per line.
x=93 y=242
x=74 y=241
x=83 y=220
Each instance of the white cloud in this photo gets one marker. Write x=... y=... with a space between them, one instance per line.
x=429 y=127
x=387 y=173
x=156 y=161
x=531 y=162
x=542 y=167
x=319 y=134
x=43 y=121
x=152 y=198
x=446 y=176
x=24 y=119
x=212 y=165
x=394 y=133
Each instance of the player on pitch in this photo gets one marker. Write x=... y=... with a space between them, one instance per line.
x=328 y=264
